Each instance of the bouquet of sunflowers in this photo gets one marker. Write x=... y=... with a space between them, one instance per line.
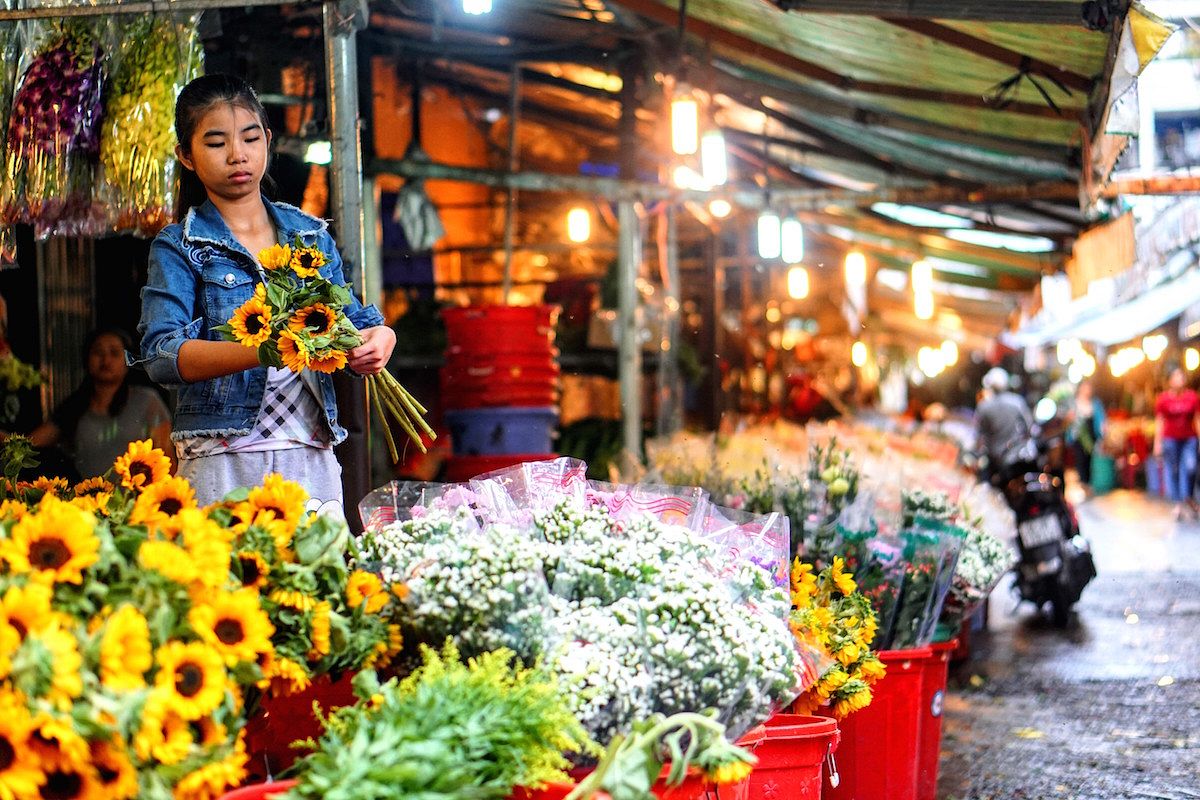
x=296 y=320
x=134 y=626
x=830 y=613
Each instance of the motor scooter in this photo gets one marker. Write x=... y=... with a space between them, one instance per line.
x=1056 y=561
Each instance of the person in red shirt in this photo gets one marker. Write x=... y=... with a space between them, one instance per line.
x=1175 y=414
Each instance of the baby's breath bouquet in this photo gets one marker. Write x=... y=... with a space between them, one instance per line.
x=296 y=320
x=829 y=612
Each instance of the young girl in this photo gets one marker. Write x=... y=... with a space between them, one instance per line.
x=236 y=421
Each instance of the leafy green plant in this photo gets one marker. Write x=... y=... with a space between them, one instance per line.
x=452 y=730
x=18 y=454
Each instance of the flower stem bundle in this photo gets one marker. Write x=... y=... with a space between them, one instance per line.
x=296 y=321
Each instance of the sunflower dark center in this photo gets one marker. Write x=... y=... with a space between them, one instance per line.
x=171 y=506
x=8 y=754
x=107 y=774
x=318 y=320
x=229 y=631
x=19 y=627
x=62 y=785
x=189 y=679
x=49 y=553
x=306 y=260
x=254 y=323
x=278 y=512
x=140 y=468
x=250 y=571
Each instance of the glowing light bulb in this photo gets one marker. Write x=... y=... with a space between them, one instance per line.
x=797 y=283
x=685 y=122
x=792 y=245
x=923 y=305
x=579 y=225
x=713 y=163
x=720 y=208
x=858 y=354
x=922 y=277
x=477 y=7
x=950 y=352
x=856 y=269
x=770 y=235
x=1191 y=359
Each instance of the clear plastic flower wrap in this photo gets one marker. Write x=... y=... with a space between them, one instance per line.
x=931 y=549
x=639 y=614
x=397 y=501
x=52 y=147
x=982 y=563
x=156 y=55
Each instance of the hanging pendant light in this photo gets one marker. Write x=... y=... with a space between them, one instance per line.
x=792 y=244
x=797 y=283
x=856 y=269
x=713 y=162
x=770 y=235
x=579 y=225
x=685 y=121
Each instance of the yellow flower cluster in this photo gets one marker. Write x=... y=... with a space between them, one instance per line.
x=832 y=617
x=133 y=622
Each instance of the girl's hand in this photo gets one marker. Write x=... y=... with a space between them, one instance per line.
x=373 y=354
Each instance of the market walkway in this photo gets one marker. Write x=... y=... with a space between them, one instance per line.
x=1105 y=710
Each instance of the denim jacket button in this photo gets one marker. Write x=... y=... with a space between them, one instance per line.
x=229 y=277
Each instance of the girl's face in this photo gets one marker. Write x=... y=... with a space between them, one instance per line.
x=228 y=151
x=106 y=360
x=1177 y=380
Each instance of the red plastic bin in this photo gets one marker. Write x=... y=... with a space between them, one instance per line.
x=258 y=791
x=791 y=754
x=879 y=756
x=283 y=720
x=933 y=694
x=460 y=469
x=500 y=329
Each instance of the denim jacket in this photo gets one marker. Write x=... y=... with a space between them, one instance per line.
x=199 y=275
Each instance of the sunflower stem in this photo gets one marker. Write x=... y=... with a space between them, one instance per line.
x=372 y=389
x=398 y=412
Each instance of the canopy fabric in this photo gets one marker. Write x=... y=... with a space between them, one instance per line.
x=1140 y=315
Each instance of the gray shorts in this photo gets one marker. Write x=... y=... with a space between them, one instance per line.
x=317 y=470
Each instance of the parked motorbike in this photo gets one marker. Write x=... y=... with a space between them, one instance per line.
x=1056 y=561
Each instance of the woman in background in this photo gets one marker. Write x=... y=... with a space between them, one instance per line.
x=97 y=422
x=1175 y=414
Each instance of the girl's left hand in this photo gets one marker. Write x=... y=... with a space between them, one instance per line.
x=373 y=354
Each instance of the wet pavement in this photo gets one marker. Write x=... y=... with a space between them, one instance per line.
x=1108 y=708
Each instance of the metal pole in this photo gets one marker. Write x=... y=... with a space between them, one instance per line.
x=510 y=205
x=341 y=21
x=629 y=365
x=670 y=388
x=373 y=257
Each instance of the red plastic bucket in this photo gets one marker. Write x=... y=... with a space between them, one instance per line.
x=791 y=753
x=500 y=329
x=694 y=787
x=283 y=720
x=259 y=791
x=879 y=755
x=462 y=468
x=933 y=692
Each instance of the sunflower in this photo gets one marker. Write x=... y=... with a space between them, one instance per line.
x=235 y=625
x=95 y=504
x=804 y=584
x=65 y=662
x=54 y=487
x=56 y=543
x=327 y=361
x=251 y=322
x=317 y=319
x=56 y=744
x=80 y=783
x=382 y=653
x=209 y=733
x=252 y=570
x=289 y=598
x=191 y=678
x=141 y=465
x=210 y=556
x=275 y=256
x=287 y=677
x=320 y=631
x=164 y=735
x=13 y=509
x=20 y=773
x=292 y=351
x=27 y=608
x=872 y=669
x=161 y=501
x=283 y=498
x=366 y=587
x=211 y=780
x=168 y=559
x=307 y=261
x=10 y=640
x=844 y=583
x=730 y=772
x=125 y=650
x=115 y=772
x=855 y=702
x=93 y=486
x=849 y=653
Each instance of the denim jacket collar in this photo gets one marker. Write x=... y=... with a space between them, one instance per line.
x=204 y=224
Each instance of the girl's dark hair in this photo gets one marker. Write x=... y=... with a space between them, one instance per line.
x=193 y=103
x=71 y=410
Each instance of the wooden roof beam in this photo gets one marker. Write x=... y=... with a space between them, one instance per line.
x=666 y=15
x=1039 y=12
x=982 y=47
